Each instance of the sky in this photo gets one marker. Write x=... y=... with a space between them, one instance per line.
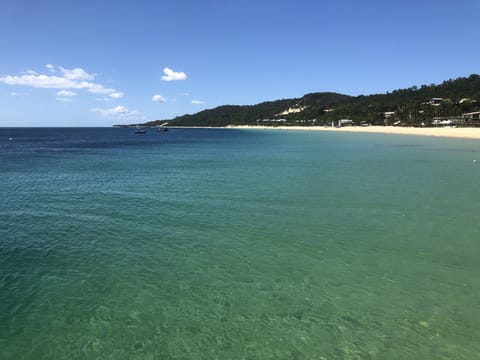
x=105 y=62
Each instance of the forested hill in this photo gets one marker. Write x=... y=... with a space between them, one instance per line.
x=248 y=114
x=411 y=106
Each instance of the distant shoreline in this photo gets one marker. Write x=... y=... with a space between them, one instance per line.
x=464 y=132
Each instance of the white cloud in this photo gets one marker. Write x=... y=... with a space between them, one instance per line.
x=118 y=112
x=105 y=99
x=171 y=75
x=66 y=93
x=158 y=98
x=50 y=67
x=197 y=102
x=65 y=96
x=40 y=81
x=76 y=74
x=71 y=79
x=116 y=95
x=97 y=88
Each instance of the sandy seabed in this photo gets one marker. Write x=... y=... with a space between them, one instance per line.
x=467 y=133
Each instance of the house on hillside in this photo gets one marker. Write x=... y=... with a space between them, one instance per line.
x=271 y=122
x=388 y=117
x=472 y=119
x=345 y=122
x=448 y=121
x=436 y=101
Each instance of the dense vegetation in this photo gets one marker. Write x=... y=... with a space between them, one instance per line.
x=412 y=106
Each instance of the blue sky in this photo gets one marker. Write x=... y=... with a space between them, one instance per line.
x=98 y=63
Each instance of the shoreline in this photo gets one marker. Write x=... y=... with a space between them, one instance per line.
x=463 y=133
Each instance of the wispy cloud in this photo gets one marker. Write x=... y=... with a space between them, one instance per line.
x=171 y=75
x=158 y=98
x=66 y=93
x=198 y=102
x=119 y=112
x=104 y=99
x=41 y=81
x=117 y=95
x=16 y=94
x=70 y=79
x=50 y=67
x=65 y=96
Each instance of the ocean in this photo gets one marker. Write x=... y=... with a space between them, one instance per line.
x=238 y=244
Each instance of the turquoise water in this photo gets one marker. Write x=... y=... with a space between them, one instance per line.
x=238 y=244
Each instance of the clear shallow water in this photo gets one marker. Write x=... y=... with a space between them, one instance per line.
x=232 y=244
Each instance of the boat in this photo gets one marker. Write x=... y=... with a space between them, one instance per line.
x=139 y=130
x=163 y=127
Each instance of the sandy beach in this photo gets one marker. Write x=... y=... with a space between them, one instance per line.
x=467 y=133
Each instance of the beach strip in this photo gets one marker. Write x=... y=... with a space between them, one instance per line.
x=466 y=133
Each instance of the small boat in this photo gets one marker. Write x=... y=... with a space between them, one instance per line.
x=139 y=130
x=163 y=127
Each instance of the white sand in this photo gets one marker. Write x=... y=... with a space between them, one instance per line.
x=467 y=133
